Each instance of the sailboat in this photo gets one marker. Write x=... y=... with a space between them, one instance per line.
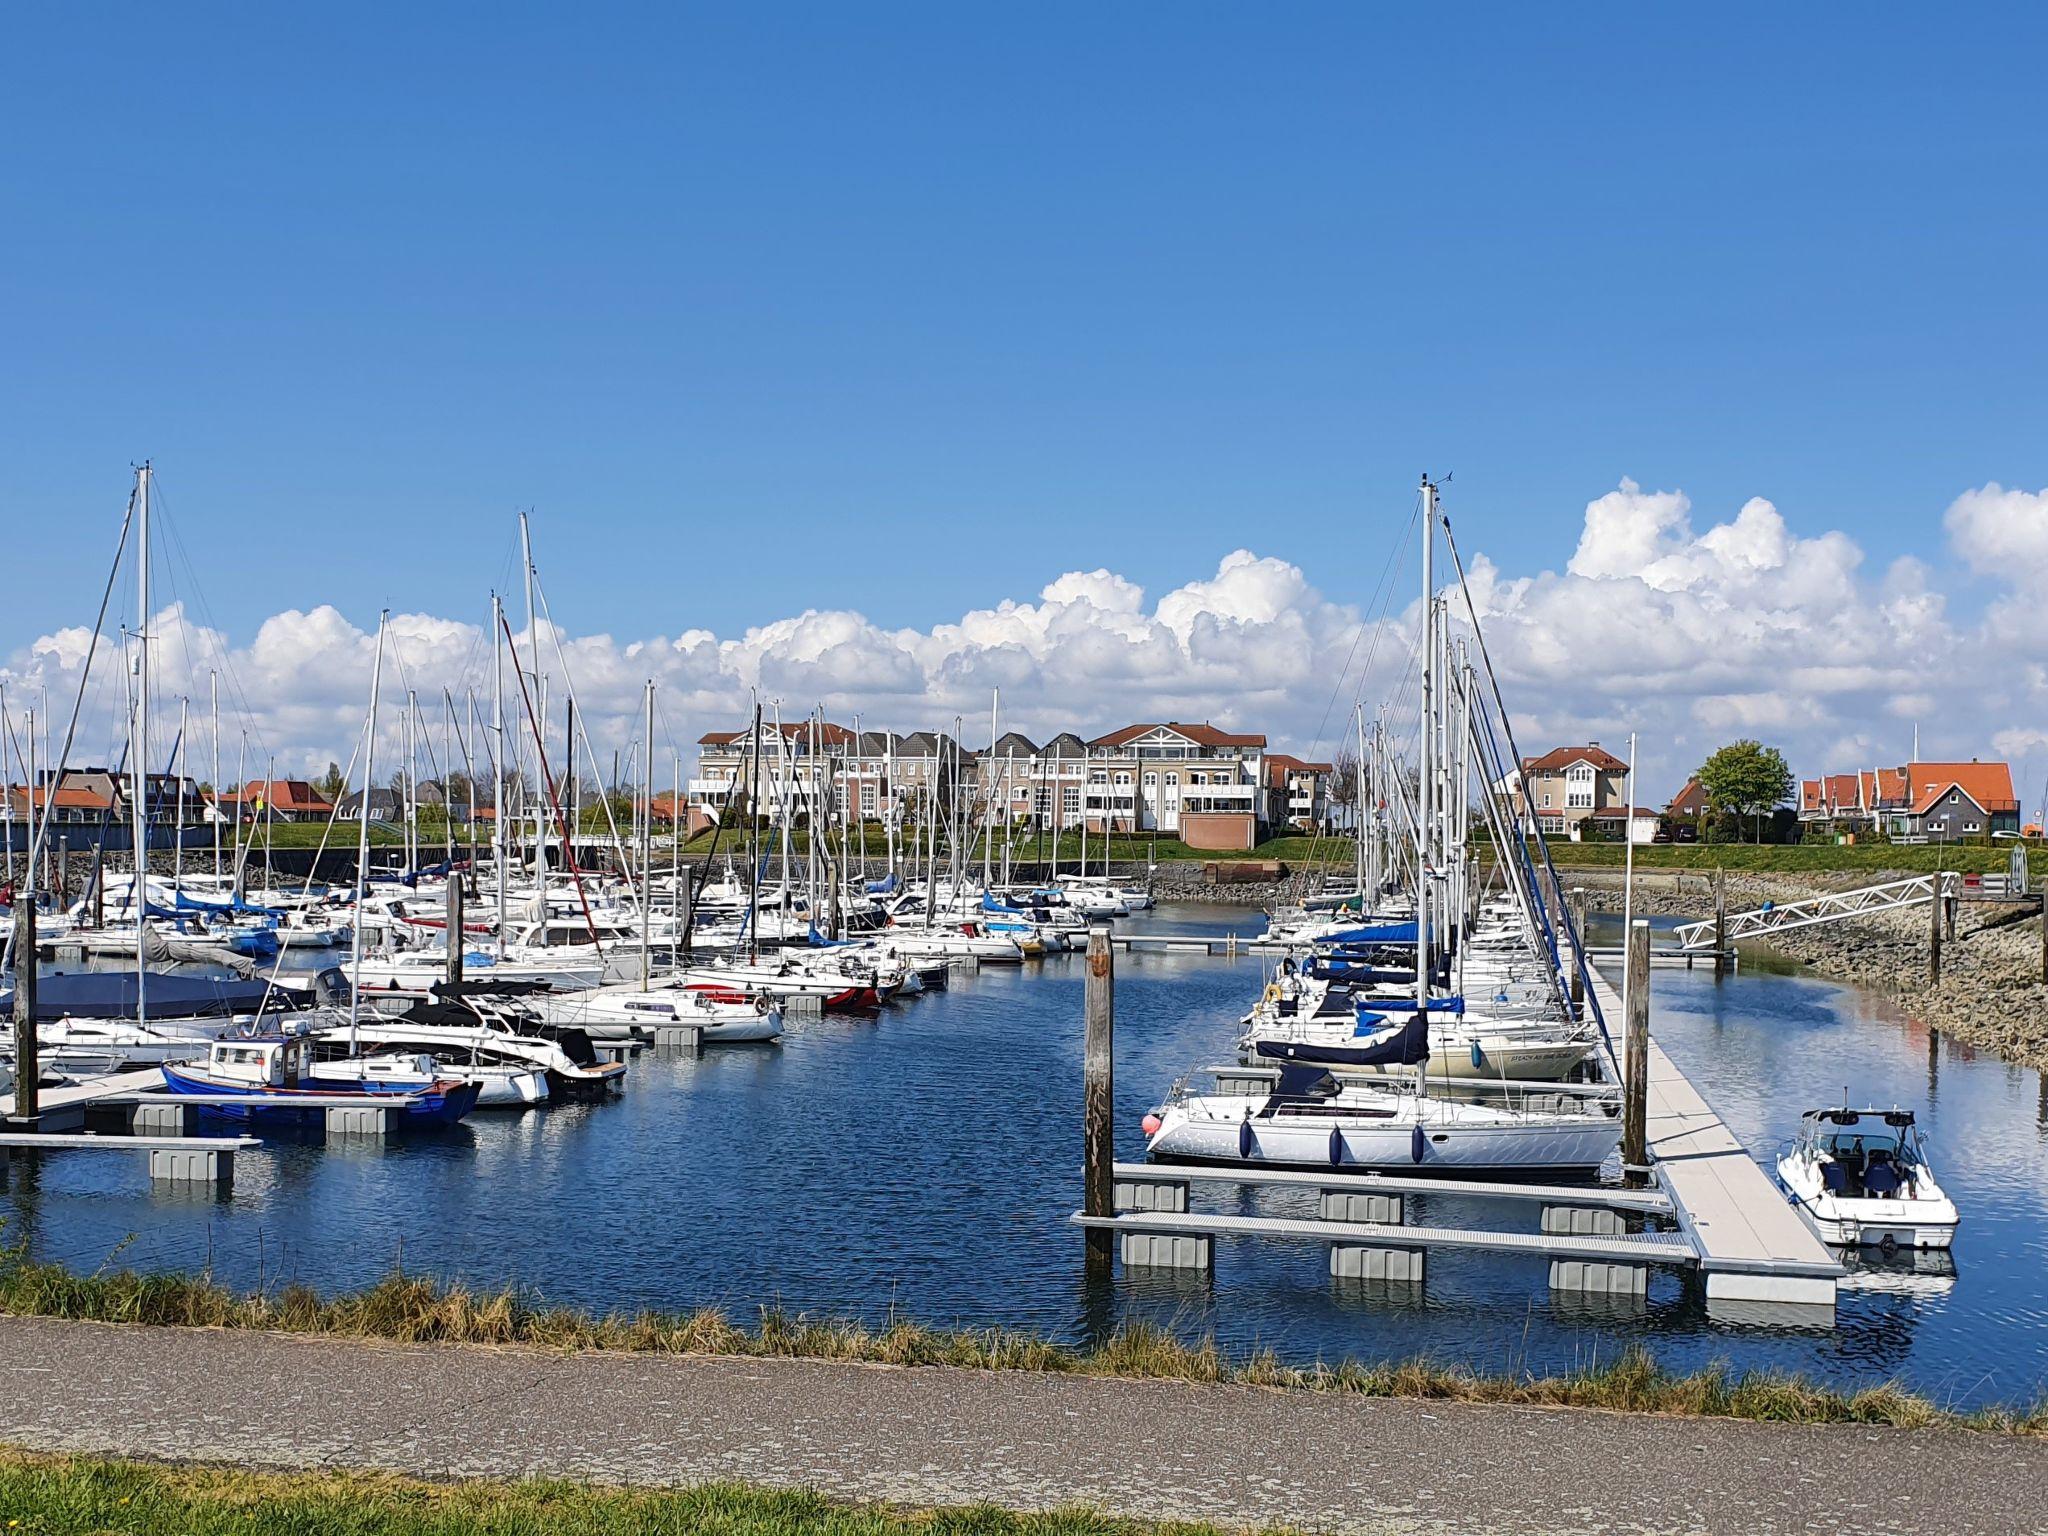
x=1312 y=1117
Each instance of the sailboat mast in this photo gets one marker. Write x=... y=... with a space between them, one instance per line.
x=647 y=841
x=355 y=979
x=213 y=689
x=139 y=762
x=988 y=788
x=1425 y=779
x=498 y=795
x=178 y=832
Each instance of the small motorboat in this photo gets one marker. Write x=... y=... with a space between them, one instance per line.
x=1860 y=1177
x=279 y=1069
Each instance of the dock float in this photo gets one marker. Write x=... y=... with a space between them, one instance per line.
x=1751 y=1245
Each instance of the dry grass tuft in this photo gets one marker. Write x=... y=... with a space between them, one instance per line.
x=415 y=1309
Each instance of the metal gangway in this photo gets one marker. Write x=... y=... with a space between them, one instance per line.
x=1835 y=907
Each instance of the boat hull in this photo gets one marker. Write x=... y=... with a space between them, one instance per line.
x=435 y=1106
x=1341 y=1140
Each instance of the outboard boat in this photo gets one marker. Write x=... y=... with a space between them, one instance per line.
x=1861 y=1178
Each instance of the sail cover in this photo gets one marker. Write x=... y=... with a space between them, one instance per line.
x=111 y=995
x=1384 y=1045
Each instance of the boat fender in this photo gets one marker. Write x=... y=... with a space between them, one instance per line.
x=761 y=1007
x=1336 y=1147
x=1272 y=991
x=1151 y=1124
x=1416 y=1145
x=1478 y=1056
x=1245 y=1141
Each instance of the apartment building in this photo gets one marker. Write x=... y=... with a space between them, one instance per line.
x=1297 y=793
x=1192 y=781
x=808 y=767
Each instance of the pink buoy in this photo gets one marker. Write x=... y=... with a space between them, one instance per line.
x=1152 y=1124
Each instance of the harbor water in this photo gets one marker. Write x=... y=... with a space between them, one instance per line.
x=921 y=1164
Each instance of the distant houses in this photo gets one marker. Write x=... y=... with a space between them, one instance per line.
x=1209 y=787
x=1942 y=802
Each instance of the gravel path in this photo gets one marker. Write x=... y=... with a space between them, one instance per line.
x=939 y=1436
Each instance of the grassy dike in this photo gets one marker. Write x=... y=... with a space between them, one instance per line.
x=411 y=1309
x=79 y=1496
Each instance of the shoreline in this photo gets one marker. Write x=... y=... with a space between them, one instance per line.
x=1991 y=994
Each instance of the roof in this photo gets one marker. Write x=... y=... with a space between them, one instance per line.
x=1202 y=734
x=1280 y=764
x=1989 y=784
x=1564 y=757
x=1618 y=813
x=1066 y=744
x=67 y=798
x=1690 y=800
x=281 y=795
x=1013 y=744
x=792 y=730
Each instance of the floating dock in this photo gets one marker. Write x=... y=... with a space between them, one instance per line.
x=1749 y=1242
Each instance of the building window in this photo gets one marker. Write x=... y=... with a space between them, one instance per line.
x=1070 y=798
x=1578 y=800
x=1151 y=779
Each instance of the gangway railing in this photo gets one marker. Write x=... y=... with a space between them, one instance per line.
x=1835 y=907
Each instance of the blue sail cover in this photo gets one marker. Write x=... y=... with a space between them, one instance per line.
x=111 y=995
x=990 y=904
x=882 y=887
x=1373 y=933
x=1405 y=1046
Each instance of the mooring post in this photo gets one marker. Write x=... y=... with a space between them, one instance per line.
x=455 y=940
x=1948 y=917
x=1720 y=921
x=28 y=1106
x=1099 y=1108
x=1635 y=1093
x=63 y=873
x=1578 y=907
x=1934 y=931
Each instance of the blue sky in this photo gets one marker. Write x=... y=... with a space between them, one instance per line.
x=942 y=301
x=906 y=310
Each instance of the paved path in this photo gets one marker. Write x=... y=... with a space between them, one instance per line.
x=929 y=1435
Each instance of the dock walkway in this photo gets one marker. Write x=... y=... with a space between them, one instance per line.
x=932 y=1435
x=63 y=1108
x=1752 y=1245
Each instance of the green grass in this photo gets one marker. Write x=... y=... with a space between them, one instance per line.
x=1039 y=850
x=83 y=1496
x=413 y=1309
x=1786 y=858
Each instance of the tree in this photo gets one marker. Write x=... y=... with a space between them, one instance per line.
x=331 y=785
x=1746 y=779
x=1343 y=786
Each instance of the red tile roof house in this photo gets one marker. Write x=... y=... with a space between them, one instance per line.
x=282 y=799
x=1297 y=793
x=1951 y=801
x=1853 y=799
x=1941 y=802
x=1567 y=784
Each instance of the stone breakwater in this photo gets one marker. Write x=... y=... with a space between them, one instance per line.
x=1990 y=994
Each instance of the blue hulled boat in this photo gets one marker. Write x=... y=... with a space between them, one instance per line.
x=280 y=1068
